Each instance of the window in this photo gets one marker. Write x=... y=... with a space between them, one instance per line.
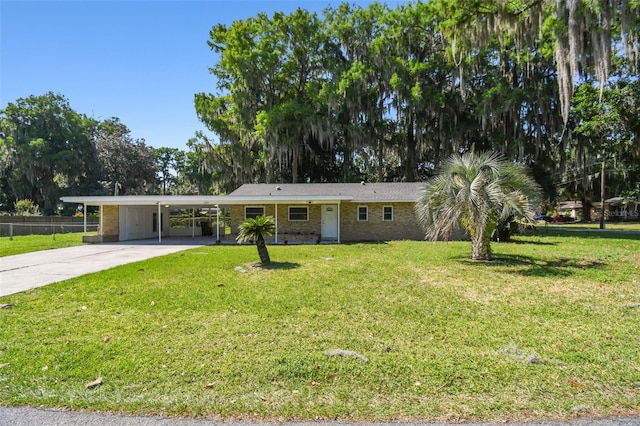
x=253 y=212
x=363 y=213
x=387 y=213
x=298 y=213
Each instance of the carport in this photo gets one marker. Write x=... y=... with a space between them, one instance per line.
x=132 y=217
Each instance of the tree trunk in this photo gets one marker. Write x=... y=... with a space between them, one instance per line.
x=294 y=164
x=602 y=226
x=480 y=247
x=586 y=208
x=410 y=160
x=262 y=250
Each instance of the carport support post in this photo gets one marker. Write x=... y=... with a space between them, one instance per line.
x=339 y=222
x=193 y=222
x=159 y=223
x=275 y=208
x=217 y=223
x=84 y=218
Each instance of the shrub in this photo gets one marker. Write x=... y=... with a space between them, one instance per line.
x=27 y=208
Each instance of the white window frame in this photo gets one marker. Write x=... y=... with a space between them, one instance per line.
x=253 y=207
x=366 y=209
x=306 y=208
x=384 y=211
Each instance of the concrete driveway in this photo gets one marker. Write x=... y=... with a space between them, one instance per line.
x=30 y=270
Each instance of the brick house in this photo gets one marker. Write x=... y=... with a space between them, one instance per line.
x=334 y=211
x=303 y=212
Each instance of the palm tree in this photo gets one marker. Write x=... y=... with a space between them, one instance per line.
x=475 y=191
x=256 y=229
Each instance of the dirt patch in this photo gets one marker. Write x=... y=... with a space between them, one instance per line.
x=590 y=263
x=635 y=258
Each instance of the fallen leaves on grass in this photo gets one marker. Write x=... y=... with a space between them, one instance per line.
x=95 y=383
x=575 y=383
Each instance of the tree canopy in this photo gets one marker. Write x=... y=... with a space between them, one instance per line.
x=368 y=93
x=48 y=150
x=385 y=94
x=45 y=148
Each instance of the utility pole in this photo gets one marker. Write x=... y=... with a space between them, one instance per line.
x=602 y=193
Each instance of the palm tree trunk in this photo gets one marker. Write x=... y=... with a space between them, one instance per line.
x=480 y=247
x=262 y=250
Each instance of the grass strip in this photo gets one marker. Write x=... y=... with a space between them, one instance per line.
x=20 y=244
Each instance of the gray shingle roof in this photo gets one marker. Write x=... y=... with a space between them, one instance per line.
x=368 y=192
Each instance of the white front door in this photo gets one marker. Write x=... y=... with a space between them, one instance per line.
x=329 y=217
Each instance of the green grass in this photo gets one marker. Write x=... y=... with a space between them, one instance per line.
x=548 y=330
x=30 y=243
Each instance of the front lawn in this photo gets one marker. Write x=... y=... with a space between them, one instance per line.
x=547 y=330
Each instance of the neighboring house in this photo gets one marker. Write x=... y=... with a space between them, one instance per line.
x=304 y=212
x=619 y=208
x=570 y=209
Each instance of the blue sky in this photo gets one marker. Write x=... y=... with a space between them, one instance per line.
x=139 y=60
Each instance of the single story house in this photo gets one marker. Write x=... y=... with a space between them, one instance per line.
x=571 y=209
x=303 y=212
x=618 y=209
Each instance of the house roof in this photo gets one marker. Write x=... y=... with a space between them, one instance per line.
x=570 y=205
x=615 y=201
x=354 y=192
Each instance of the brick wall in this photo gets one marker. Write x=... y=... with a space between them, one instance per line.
x=293 y=230
x=237 y=215
x=404 y=225
x=305 y=231
x=111 y=222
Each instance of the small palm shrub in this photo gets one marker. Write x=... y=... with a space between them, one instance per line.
x=255 y=230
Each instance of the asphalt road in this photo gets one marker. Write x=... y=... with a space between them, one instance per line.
x=25 y=416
